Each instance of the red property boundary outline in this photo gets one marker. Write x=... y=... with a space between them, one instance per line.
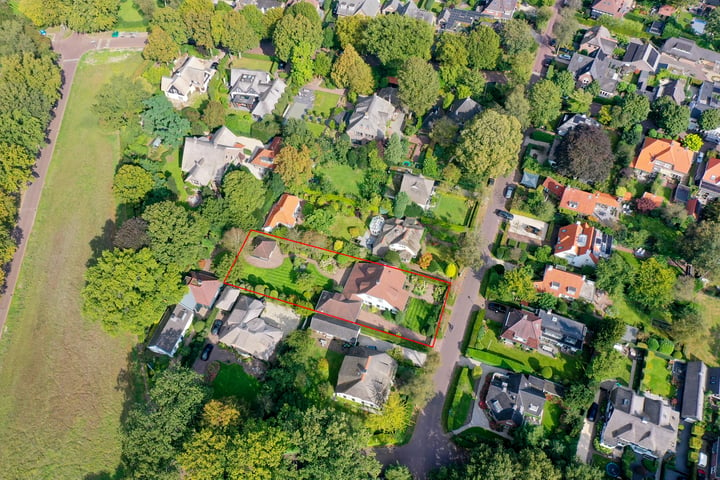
x=442 y=310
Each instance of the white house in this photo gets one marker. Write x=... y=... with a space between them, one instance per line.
x=171 y=330
x=378 y=286
x=582 y=245
x=193 y=76
x=365 y=378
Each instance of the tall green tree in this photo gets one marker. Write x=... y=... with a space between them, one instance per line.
x=128 y=291
x=516 y=36
x=701 y=246
x=294 y=166
x=351 y=31
x=132 y=183
x=160 y=46
x=710 y=119
x=120 y=101
x=419 y=85
x=395 y=38
x=254 y=18
x=614 y=274
x=15 y=167
x=671 y=117
x=545 y=103
x=174 y=233
x=162 y=120
x=653 y=284
x=197 y=16
x=292 y=30
x=517 y=105
x=489 y=145
x=452 y=53
x=226 y=26
x=517 y=285
x=259 y=454
x=350 y=71
x=483 y=46
x=87 y=16
x=244 y=195
x=171 y=21
x=565 y=27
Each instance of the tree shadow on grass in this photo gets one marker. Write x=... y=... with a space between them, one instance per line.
x=101 y=243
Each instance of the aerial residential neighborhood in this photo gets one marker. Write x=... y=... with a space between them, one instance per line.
x=360 y=239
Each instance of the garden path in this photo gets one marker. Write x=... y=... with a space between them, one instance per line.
x=315 y=85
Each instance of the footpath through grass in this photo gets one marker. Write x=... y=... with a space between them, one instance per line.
x=62 y=378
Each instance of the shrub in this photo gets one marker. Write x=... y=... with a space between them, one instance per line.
x=274 y=293
x=260 y=289
x=666 y=347
x=435 y=266
x=199 y=326
x=547 y=372
x=677 y=354
x=450 y=270
x=653 y=344
x=354 y=231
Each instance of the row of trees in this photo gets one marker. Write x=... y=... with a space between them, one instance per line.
x=79 y=15
x=30 y=84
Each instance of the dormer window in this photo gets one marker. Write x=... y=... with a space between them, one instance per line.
x=555 y=285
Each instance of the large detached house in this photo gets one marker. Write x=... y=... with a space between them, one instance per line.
x=582 y=245
x=500 y=9
x=377 y=285
x=664 y=157
x=374 y=118
x=418 y=188
x=647 y=425
x=205 y=159
x=693 y=398
x=613 y=8
x=336 y=312
x=598 y=38
x=193 y=76
x=264 y=160
x=285 y=212
x=600 y=67
x=408 y=9
x=515 y=398
x=255 y=91
x=562 y=284
x=399 y=235
x=457 y=20
x=366 y=377
x=348 y=8
x=544 y=331
x=710 y=181
x=170 y=331
x=248 y=332
x=598 y=204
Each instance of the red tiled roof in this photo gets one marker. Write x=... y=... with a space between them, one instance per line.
x=712 y=171
x=553 y=187
x=266 y=157
x=666 y=151
x=569 y=239
x=377 y=281
x=203 y=287
x=283 y=212
x=526 y=326
x=559 y=282
x=666 y=10
x=578 y=201
x=692 y=207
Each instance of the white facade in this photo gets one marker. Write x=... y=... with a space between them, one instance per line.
x=380 y=303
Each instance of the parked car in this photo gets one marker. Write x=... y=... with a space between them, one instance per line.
x=505 y=215
x=531 y=229
x=497 y=307
x=509 y=190
x=371 y=347
x=592 y=412
x=206 y=352
x=216 y=327
x=491 y=182
x=564 y=56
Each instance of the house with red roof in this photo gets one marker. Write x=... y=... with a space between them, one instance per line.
x=599 y=204
x=377 y=285
x=522 y=328
x=264 y=160
x=566 y=285
x=664 y=157
x=710 y=181
x=613 y=8
x=203 y=290
x=285 y=212
x=582 y=245
x=553 y=187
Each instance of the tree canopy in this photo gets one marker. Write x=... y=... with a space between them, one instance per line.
x=395 y=38
x=489 y=145
x=132 y=183
x=120 y=101
x=161 y=119
x=483 y=47
x=585 y=153
x=294 y=166
x=670 y=116
x=653 y=284
x=296 y=28
x=244 y=195
x=174 y=233
x=419 y=85
x=545 y=103
x=702 y=247
x=350 y=71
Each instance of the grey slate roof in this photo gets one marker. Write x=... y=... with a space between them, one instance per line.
x=367 y=376
x=335 y=328
x=562 y=329
x=169 y=333
x=410 y=9
x=227 y=299
x=246 y=308
x=456 y=20
x=256 y=88
x=418 y=188
x=600 y=67
x=513 y=395
x=684 y=48
x=693 y=399
x=372 y=119
x=598 y=38
x=644 y=422
x=194 y=74
x=347 y=8
x=530 y=180
x=642 y=56
x=682 y=194
x=257 y=337
x=406 y=233
x=674 y=89
x=463 y=110
x=572 y=121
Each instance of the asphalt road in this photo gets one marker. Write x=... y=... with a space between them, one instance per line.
x=430 y=447
x=545 y=51
x=70 y=49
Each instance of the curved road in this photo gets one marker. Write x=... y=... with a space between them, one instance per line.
x=70 y=49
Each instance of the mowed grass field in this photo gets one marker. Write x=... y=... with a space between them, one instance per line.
x=62 y=379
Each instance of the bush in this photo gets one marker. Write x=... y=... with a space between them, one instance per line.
x=677 y=354
x=260 y=289
x=666 y=347
x=547 y=372
x=653 y=344
x=199 y=326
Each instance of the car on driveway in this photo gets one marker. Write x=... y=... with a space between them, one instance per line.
x=497 y=307
x=216 y=327
x=592 y=412
x=505 y=215
x=509 y=190
x=206 y=352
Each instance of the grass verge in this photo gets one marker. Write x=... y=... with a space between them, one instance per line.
x=64 y=379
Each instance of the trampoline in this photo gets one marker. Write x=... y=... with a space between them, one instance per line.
x=613 y=470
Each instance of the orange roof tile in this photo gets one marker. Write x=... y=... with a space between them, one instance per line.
x=666 y=10
x=552 y=186
x=692 y=207
x=559 y=282
x=606 y=199
x=656 y=199
x=266 y=157
x=283 y=212
x=569 y=238
x=204 y=287
x=712 y=171
x=578 y=201
x=670 y=153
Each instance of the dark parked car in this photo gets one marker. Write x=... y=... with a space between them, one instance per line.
x=504 y=214
x=206 y=352
x=491 y=182
x=509 y=191
x=497 y=307
x=592 y=412
x=216 y=327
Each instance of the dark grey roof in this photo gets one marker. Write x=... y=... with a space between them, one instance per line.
x=530 y=180
x=335 y=328
x=246 y=308
x=674 y=89
x=170 y=330
x=684 y=48
x=570 y=331
x=510 y=396
x=410 y=9
x=656 y=27
x=571 y=121
x=600 y=67
x=694 y=390
x=682 y=194
x=453 y=19
x=464 y=109
x=643 y=56
x=713 y=380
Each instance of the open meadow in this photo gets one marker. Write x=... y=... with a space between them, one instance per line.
x=63 y=380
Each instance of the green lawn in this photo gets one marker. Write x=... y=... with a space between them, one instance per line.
x=232 y=381
x=316 y=129
x=342 y=223
x=420 y=316
x=462 y=400
x=64 y=380
x=451 y=208
x=324 y=103
x=628 y=312
x=702 y=348
x=343 y=178
x=239 y=124
x=282 y=278
x=130 y=19
x=656 y=376
x=551 y=417
x=492 y=351
x=253 y=62
x=666 y=239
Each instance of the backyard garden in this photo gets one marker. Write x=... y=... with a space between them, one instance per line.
x=656 y=376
